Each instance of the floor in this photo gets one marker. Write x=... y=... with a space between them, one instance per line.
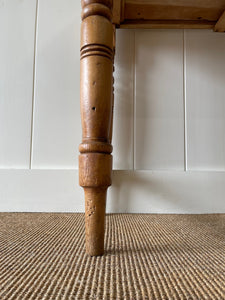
x=147 y=257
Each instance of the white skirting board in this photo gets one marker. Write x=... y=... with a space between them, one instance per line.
x=131 y=192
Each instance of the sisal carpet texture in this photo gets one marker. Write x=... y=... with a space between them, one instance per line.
x=147 y=257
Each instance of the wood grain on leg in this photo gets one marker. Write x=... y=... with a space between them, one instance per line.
x=95 y=160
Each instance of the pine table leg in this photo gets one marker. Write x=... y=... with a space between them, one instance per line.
x=95 y=160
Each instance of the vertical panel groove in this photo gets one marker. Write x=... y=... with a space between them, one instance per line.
x=185 y=101
x=134 y=101
x=33 y=91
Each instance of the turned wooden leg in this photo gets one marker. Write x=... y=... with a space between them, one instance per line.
x=95 y=160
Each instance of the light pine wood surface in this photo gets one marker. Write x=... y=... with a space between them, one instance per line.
x=97 y=93
x=95 y=160
x=170 y=14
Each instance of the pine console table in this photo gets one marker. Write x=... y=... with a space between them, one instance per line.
x=100 y=18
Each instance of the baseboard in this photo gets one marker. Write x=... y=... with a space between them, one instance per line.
x=131 y=192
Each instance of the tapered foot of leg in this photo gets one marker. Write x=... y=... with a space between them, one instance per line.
x=95 y=178
x=95 y=201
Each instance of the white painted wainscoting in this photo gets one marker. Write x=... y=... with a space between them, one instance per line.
x=169 y=121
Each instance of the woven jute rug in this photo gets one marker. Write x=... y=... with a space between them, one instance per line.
x=42 y=256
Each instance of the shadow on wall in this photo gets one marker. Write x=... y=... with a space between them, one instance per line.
x=166 y=192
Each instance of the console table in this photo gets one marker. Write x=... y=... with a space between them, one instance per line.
x=100 y=18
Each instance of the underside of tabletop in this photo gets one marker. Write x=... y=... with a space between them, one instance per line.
x=195 y=14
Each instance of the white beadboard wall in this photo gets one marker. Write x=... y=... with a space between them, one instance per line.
x=159 y=118
x=17 y=43
x=169 y=118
